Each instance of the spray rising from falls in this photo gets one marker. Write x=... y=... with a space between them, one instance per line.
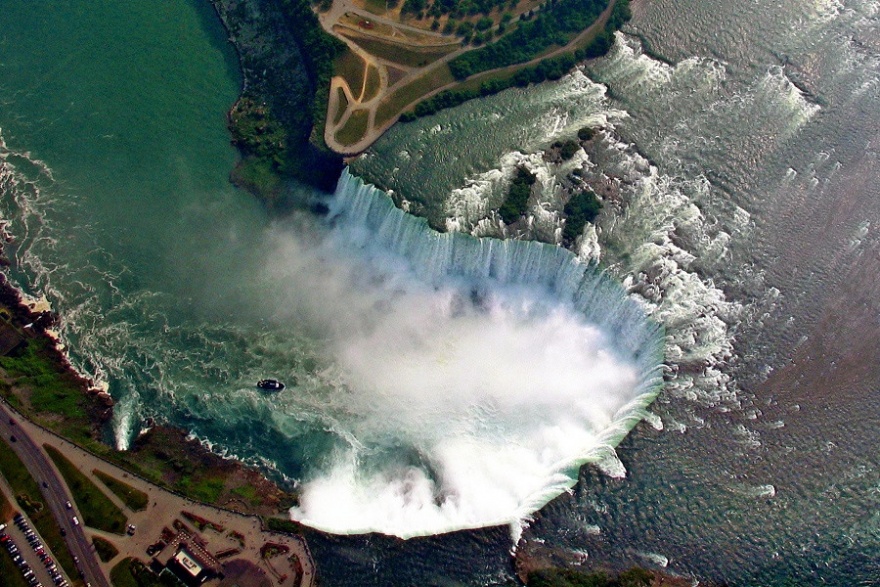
x=474 y=375
x=435 y=381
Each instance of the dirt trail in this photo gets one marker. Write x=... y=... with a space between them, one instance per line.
x=374 y=131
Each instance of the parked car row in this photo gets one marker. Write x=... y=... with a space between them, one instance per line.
x=26 y=571
x=40 y=551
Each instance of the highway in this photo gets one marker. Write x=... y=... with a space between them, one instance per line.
x=54 y=495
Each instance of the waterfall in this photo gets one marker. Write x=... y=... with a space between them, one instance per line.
x=487 y=374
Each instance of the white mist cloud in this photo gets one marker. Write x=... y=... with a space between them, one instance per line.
x=497 y=389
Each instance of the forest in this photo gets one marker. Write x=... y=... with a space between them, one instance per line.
x=552 y=26
x=549 y=69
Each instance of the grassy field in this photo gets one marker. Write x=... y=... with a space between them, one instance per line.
x=24 y=486
x=372 y=84
x=396 y=102
x=17 y=475
x=6 y=509
x=401 y=54
x=354 y=128
x=342 y=105
x=96 y=508
x=106 y=551
x=247 y=493
x=376 y=6
x=132 y=573
x=351 y=67
x=282 y=525
x=394 y=75
x=206 y=489
x=135 y=499
x=49 y=391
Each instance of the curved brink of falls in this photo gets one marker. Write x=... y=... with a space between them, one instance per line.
x=480 y=392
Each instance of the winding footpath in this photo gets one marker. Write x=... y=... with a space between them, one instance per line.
x=374 y=130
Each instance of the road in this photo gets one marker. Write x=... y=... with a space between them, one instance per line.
x=54 y=494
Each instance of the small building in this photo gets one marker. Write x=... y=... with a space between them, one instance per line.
x=188 y=561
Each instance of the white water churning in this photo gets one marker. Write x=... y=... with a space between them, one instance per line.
x=478 y=374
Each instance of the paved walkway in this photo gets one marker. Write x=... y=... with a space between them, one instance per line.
x=165 y=508
x=375 y=130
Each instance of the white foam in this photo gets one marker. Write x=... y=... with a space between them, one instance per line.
x=498 y=367
x=653 y=240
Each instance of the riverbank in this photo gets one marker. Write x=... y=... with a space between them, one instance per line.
x=39 y=381
x=277 y=125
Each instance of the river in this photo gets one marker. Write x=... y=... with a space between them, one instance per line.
x=741 y=141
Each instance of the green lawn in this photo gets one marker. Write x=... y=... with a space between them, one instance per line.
x=135 y=499
x=372 y=85
x=16 y=473
x=247 y=493
x=379 y=7
x=351 y=67
x=105 y=549
x=341 y=105
x=6 y=509
x=206 y=489
x=354 y=129
x=403 y=55
x=396 y=102
x=50 y=390
x=96 y=508
x=133 y=573
x=282 y=525
x=121 y=575
x=25 y=487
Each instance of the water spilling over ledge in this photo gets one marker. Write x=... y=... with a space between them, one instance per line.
x=479 y=374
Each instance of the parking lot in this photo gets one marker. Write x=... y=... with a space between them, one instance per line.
x=30 y=554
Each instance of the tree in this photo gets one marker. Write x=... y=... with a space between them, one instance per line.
x=586 y=133
x=517 y=200
x=583 y=207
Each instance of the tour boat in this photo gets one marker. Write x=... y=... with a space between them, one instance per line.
x=270 y=385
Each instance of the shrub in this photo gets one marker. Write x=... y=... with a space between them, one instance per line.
x=517 y=200
x=568 y=149
x=580 y=209
x=586 y=133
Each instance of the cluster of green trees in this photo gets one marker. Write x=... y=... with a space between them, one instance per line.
x=517 y=200
x=318 y=49
x=580 y=209
x=552 y=26
x=279 y=122
x=455 y=8
x=257 y=133
x=634 y=577
x=549 y=69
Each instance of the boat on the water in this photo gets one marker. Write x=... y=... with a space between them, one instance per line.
x=270 y=385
